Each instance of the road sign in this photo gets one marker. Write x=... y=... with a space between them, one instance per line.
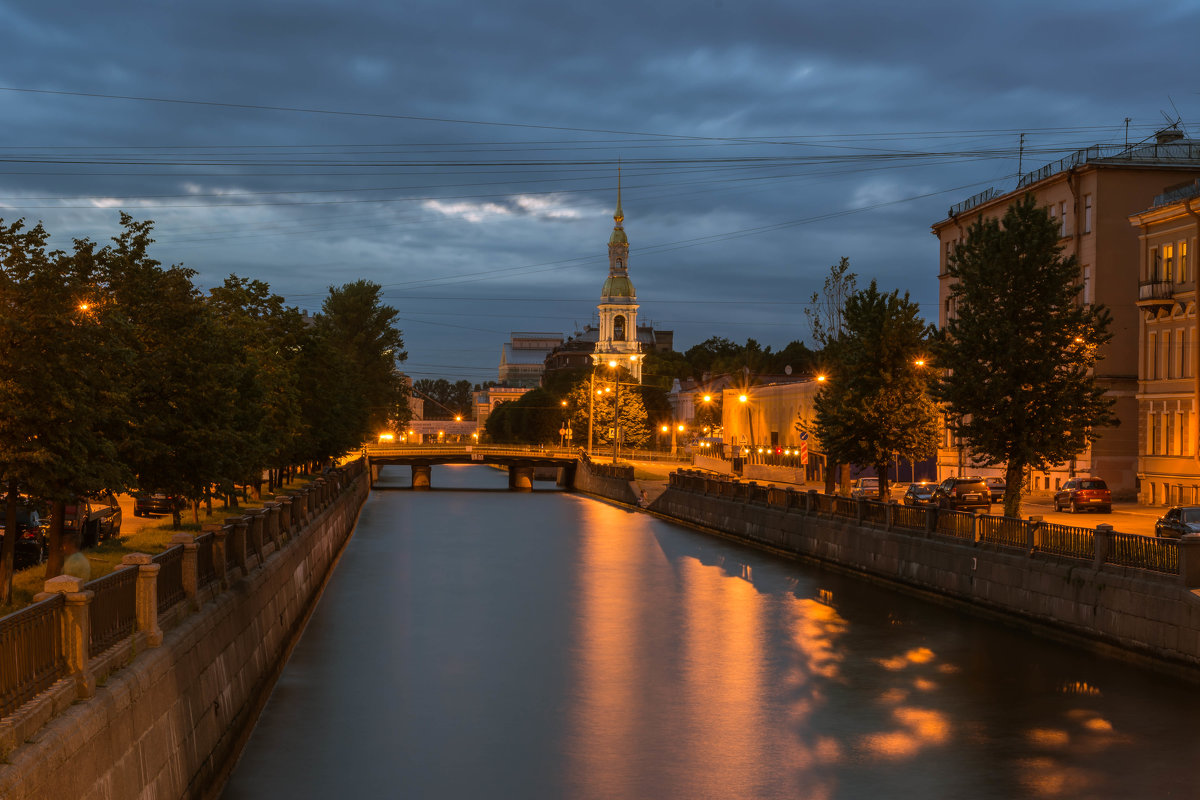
x=803 y=452
x=804 y=436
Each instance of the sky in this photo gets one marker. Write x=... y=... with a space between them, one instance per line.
x=464 y=155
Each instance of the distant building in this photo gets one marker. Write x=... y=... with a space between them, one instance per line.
x=1091 y=194
x=523 y=357
x=486 y=401
x=1168 y=395
x=769 y=415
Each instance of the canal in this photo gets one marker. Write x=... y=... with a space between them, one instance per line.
x=479 y=643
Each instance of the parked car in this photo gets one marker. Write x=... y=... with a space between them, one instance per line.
x=865 y=487
x=996 y=487
x=145 y=504
x=31 y=546
x=1081 y=494
x=1178 y=521
x=94 y=518
x=963 y=493
x=919 y=494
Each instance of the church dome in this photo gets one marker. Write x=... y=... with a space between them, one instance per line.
x=618 y=286
x=618 y=237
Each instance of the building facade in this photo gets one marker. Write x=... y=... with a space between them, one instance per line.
x=1091 y=194
x=523 y=357
x=1169 y=365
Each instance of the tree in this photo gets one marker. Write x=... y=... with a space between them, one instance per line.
x=1019 y=349
x=61 y=363
x=825 y=310
x=634 y=427
x=875 y=405
x=445 y=400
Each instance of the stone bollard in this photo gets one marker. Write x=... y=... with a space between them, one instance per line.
x=1189 y=560
x=271 y=523
x=220 y=556
x=236 y=542
x=146 y=602
x=191 y=576
x=285 y=516
x=1033 y=538
x=255 y=527
x=1103 y=540
x=76 y=629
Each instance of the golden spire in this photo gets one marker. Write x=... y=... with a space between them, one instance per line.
x=619 y=217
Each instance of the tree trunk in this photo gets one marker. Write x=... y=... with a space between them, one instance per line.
x=881 y=471
x=195 y=512
x=831 y=471
x=54 y=559
x=10 y=545
x=1013 y=474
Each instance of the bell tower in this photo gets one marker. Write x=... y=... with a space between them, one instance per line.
x=618 y=307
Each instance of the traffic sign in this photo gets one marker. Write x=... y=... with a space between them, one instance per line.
x=803 y=451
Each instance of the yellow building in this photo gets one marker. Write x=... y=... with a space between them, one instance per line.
x=1169 y=374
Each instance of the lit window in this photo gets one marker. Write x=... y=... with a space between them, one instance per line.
x=1183 y=265
x=1168 y=262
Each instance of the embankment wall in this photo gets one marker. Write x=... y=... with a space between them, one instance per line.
x=169 y=723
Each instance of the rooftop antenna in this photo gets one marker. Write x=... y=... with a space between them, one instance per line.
x=1178 y=116
x=1127 y=133
x=1021 y=156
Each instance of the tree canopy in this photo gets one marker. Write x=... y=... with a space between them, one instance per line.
x=875 y=403
x=1019 y=348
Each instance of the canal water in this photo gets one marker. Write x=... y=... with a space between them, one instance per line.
x=477 y=643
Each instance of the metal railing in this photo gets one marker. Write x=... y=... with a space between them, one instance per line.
x=112 y=612
x=1007 y=531
x=1064 y=540
x=959 y=524
x=875 y=512
x=1156 y=290
x=1143 y=552
x=206 y=569
x=31 y=655
x=845 y=507
x=170 y=577
x=910 y=518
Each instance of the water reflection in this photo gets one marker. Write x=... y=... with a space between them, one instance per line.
x=499 y=645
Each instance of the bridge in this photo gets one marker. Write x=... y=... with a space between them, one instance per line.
x=521 y=462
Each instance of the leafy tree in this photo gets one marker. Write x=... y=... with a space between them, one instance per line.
x=445 y=400
x=711 y=354
x=634 y=425
x=1019 y=350
x=534 y=418
x=660 y=369
x=875 y=405
x=61 y=365
x=180 y=409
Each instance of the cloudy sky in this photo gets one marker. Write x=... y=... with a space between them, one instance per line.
x=464 y=154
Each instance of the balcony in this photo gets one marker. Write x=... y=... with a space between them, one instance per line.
x=1156 y=293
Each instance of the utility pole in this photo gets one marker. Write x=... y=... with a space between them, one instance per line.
x=591 y=406
x=616 y=410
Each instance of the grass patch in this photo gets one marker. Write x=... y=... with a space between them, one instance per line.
x=152 y=539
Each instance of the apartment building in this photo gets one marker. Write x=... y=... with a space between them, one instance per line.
x=1091 y=194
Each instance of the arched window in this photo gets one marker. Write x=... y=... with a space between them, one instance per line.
x=619 y=264
x=618 y=328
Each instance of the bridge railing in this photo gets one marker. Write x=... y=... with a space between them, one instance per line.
x=73 y=627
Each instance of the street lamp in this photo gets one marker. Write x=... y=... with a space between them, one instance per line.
x=616 y=409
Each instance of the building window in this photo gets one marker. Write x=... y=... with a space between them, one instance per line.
x=1168 y=262
x=1155 y=265
x=1165 y=353
x=1088 y=291
x=1183 y=265
x=618 y=328
x=1180 y=347
x=1151 y=355
x=1150 y=438
x=1170 y=447
x=1087 y=213
x=1183 y=433
x=1062 y=219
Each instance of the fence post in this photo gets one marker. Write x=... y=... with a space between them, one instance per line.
x=811 y=503
x=271 y=525
x=859 y=507
x=889 y=515
x=1032 y=539
x=930 y=521
x=146 y=602
x=191 y=577
x=255 y=518
x=75 y=630
x=285 y=516
x=1103 y=541
x=1189 y=560
x=220 y=556
x=236 y=542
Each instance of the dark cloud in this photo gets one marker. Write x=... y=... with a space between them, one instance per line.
x=760 y=142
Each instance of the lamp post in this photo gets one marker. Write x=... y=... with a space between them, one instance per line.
x=616 y=410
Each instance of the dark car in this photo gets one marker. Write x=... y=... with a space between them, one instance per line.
x=996 y=487
x=145 y=504
x=1083 y=494
x=919 y=494
x=1178 y=521
x=963 y=493
x=94 y=518
x=31 y=536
